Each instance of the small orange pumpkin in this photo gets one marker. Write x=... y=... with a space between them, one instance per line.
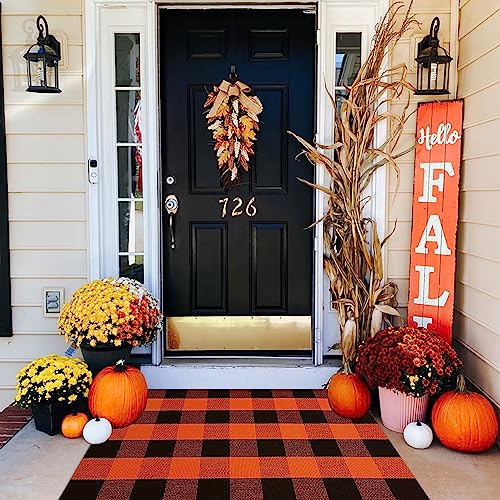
x=348 y=394
x=73 y=424
x=465 y=421
x=118 y=393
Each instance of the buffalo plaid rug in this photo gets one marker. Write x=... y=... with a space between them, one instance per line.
x=243 y=444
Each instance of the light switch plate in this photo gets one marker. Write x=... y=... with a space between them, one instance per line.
x=52 y=301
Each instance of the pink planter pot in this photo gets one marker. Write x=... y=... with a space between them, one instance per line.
x=397 y=409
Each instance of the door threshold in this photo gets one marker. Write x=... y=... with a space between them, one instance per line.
x=237 y=361
x=239 y=374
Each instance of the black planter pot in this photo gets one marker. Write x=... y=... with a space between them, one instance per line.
x=48 y=417
x=98 y=358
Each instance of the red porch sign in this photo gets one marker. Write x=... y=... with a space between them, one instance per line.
x=435 y=216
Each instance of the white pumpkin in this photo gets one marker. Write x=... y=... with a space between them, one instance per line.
x=97 y=430
x=418 y=435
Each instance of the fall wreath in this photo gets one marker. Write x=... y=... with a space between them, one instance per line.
x=234 y=124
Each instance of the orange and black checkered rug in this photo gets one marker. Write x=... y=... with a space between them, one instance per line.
x=243 y=444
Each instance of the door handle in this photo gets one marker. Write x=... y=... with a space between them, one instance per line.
x=171 y=206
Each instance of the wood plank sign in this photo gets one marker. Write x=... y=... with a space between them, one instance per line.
x=435 y=216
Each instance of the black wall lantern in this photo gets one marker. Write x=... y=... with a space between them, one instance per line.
x=43 y=61
x=433 y=64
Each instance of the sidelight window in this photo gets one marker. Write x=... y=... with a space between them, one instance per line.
x=129 y=155
x=347 y=62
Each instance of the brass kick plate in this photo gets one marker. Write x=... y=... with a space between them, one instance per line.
x=203 y=333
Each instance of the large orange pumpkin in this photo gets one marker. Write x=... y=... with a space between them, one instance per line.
x=464 y=421
x=118 y=394
x=348 y=394
x=73 y=424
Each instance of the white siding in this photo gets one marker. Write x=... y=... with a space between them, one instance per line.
x=47 y=183
x=478 y=267
x=399 y=206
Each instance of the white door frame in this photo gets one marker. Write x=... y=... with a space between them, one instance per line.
x=102 y=19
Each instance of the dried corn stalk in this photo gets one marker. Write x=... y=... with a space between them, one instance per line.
x=352 y=249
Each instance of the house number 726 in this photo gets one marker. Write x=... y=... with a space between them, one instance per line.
x=250 y=210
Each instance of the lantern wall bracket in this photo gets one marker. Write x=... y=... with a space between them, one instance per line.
x=45 y=38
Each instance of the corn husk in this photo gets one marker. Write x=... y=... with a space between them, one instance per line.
x=352 y=247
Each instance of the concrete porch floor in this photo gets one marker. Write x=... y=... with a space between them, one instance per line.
x=34 y=466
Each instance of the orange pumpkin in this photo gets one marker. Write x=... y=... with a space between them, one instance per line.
x=348 y=394
x=464 y=421
x=73 y=424
x=118 y=393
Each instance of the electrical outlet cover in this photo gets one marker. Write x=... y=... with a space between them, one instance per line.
x=52 y=301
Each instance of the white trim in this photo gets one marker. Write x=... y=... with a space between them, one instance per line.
x=336 y=16
x=152 y=226
x=141 y=16
x=94 y=236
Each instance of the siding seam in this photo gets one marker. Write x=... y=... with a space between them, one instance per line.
x=48 y=276
x=478 y=57
x=479 y=24
x=44 y=134
x=46 y=162
x=16 y=360
x=477 y=289
x=479 y=189
x=484 y=121
x=49 y=249
x=486 y=224
x=27 y=333
x=479 y=355
x=37 y=103
x=46 y=14
x=478 y=322
x=45 y=191
x=485 y=155
x=477 y=256
x=479 y=89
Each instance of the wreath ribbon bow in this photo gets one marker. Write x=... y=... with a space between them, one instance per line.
x=238 y=89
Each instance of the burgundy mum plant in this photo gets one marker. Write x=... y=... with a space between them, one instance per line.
x=411 y=360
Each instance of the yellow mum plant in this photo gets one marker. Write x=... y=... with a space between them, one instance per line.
x=50 y=379
x=111 y=311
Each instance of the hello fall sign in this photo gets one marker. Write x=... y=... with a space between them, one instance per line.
x=435 y=216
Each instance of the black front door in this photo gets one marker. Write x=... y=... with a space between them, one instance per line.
x=242 y=252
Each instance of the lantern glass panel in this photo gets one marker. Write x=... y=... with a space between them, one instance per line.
x=42 y=69
x=42 y=75
x=433 y=75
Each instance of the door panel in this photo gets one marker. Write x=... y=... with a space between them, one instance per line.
x=271 y=147
x=242 y=253
x=209 y=268
x=269 y=268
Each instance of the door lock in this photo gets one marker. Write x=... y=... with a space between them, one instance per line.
x=171 y=206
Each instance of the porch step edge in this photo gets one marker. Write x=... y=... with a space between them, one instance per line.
x=202 y=376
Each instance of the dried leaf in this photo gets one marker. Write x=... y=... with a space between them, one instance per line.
x=387 y=309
